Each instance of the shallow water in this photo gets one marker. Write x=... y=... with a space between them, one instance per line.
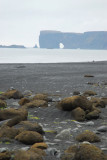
x=32 y=55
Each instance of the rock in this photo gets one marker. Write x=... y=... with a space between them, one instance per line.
x=15 y=94
x=3 y=150
x=11 y=113
x=36 y=103
x=89 y=93
x=70 y=103
x=88 y=75
x=42 y=97
x=40 y=145
x=5 y=155
x=64 y=134
x=29 y=137
x=78 y=114
x=38 y=151
x=23 y=101
x=8 y=132
x=76 y=93
x=85 y=152
x=104 y=100
x=25 y=148
x=27 y=93
x=90 y=123
x=92 y=115
x=27 y=155
x=102 y=129
x=3 y=104
x=88 y=136
x=31 y=126
x=53 y=152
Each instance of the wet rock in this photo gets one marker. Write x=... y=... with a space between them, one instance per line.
x=11 y=113
x=89 y=93
x=104 y=100
x=23 y=101
x=53 y=152
x=8 y=132
x=31 y=126
x=29 y=137
x=27 y=155
x=93 y=115
x=38 y=151
x=70 y=103
x=42 y=97
x=3 y=104
x=88 y=136
x=64 y=134
x=85 y=152
x=88 y=75
x=36 y=103
x=90 y=123
x=40 y=145
x=25 y=148
x=15 y=94
x=3 y=149
x=78 y=114
x=76 y=93
x=27 y=93
x=5 y=155
x=102 y=129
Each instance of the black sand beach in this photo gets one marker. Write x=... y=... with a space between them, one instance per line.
x=58 y=81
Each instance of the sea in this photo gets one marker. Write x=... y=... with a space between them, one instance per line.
x=37 y=55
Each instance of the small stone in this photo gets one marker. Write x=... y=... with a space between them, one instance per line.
x=3 y=150
x=64 y=134
x=102 y=129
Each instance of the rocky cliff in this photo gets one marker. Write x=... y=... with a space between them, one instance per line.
x=86 y=40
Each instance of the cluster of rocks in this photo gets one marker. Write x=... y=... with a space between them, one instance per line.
x=14 y=126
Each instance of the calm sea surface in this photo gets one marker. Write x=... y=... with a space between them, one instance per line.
x=32 y=55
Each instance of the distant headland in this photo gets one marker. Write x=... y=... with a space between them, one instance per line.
x=12 y=46
x=87 y=40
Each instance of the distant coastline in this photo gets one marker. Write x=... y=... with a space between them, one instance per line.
x=12 y=46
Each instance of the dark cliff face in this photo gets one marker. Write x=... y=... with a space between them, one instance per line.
x=87 y=40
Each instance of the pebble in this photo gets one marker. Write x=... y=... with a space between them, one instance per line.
x=102 y=129
x=90 y=123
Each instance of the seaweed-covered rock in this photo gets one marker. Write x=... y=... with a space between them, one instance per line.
x=3 y=104
x=40 y=145
x=88 y=136
x=5 y=155
x=27 y=155
x=29 y=137
x=36 y=103
x=31 y=126
x=8 y=132
x=78 y=114
x=85 y=152
x=70 y=103
x=15 y=94
x=93 y=115
x=11 y=113
x=39 y=151
x=41 y=97
x=89 y=93
x=23 y=101
x=104 y=99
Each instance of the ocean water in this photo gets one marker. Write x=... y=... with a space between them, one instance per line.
x=33 y=55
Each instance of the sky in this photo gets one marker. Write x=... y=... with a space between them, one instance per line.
x=22 y=20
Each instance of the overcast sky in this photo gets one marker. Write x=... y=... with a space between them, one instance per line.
x=22 y=20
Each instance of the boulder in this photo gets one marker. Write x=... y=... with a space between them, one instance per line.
x=11 y=113
x=36 y=103
x=76 y=93
x=41 y=97
x=70 y=103
x=85 y=152
x=3 y=104
x=5 y=155
x=27 y=155
x=31 y=126
x=78 y=114
x=23 y=101
x=40 y=145
x=8 y=132
x=15 y=94
x=93 y=115
x=29 y=137
x=88 y=136
x=39 y=151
